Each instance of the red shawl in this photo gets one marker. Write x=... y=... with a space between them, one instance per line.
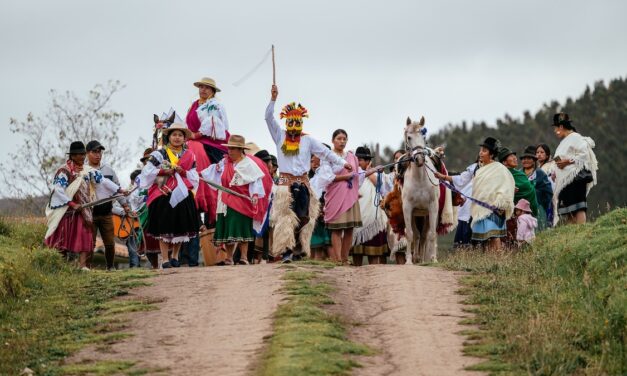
x=239 y=204
x=186 y=162
x=206 y=198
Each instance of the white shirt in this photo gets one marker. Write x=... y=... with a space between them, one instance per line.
x=463 y=182
x=299 y=164
x=213 y=121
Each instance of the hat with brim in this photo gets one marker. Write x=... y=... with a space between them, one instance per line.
x=252 y=148
x=263 y=155
x=146 y=155
x=363 y=153
x=523 y=205
x=236 y=141
x=504 y=152
x=94 y=145
x=206 y=81
x=491 y=144
x=274 y=161
x=530 y=152
x=177 y=127
x=77 y=147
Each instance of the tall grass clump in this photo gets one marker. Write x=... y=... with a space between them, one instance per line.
x=556 y=308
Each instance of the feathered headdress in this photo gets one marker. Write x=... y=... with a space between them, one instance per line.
x=293 y=115
x=292 y=111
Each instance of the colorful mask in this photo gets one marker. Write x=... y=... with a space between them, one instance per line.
x=293 y=115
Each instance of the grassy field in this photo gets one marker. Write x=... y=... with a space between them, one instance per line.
x=49 y=309
x=307 y=340
x=556 y=308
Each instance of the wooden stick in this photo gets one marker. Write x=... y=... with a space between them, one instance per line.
x=273 y=67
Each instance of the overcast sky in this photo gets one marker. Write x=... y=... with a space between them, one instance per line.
x=361 y=66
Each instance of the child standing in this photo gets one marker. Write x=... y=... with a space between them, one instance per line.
x=526 y=222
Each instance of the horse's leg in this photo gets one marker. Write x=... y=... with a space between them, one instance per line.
x=423 y=229
x=432 y=244
x=409 y=232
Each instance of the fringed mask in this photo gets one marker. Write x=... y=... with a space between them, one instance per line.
x=293 y=115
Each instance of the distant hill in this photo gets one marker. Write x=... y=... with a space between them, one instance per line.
x=600 y=112
x=15 y=207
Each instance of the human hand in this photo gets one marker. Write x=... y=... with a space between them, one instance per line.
x=348 y=166
x=274 y=92
x=254 y=200
x=123 y=192
x=562 y=163
x=127 y=209
x=74 y=205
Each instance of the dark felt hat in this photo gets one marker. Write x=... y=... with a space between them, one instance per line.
x=275 y=163
x=146 y=155
x=504 y=152
x=263 y=155
x=363 y=152
x=94 y=145
x=491 y=144
x=530 y=152
x=77 y=147
x=563 y=119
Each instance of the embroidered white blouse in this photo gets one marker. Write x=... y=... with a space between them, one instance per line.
x=213 y=121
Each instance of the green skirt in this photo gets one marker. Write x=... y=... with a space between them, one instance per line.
x=233 y=227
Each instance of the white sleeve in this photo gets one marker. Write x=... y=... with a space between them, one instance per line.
x=325 y=154
x=256 y=188
x=388 y=183
x=321 y=180
x=462 y=179
x=212 y=174
x=273 y=126
x=104 y=187
x=361 y=176
x=58 y=197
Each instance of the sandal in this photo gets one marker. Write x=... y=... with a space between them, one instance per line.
x=228 y=262
x=243 y=262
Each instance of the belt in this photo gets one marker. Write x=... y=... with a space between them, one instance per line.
x=289 y=179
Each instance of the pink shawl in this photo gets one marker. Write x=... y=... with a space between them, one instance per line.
x=339 y=198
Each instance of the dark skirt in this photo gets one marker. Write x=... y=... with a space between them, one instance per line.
x=72 y=234
x=166 y=222
x=377 y=246
x=233 y=227
x=572 y=198
x=214 y=154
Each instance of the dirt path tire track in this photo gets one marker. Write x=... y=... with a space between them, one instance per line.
x=212 y=321
x=409 y=314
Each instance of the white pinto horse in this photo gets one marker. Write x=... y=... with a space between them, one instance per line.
x=420 y=197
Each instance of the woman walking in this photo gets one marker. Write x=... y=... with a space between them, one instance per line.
x=576 y=171
x=248 y=176
x=341 y=210
x=170 y=175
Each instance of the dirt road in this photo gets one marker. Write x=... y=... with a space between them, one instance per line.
x=212 y=321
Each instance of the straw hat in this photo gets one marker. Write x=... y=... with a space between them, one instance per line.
x=252 y=147
x=236 y=141
x=178 y=127
x=208 y=82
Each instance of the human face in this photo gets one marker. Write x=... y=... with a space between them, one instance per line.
x=339 y=142
x=205 y=92
x=78 y=159
x=273 y=170
x=484 y=155
x=528 y=163
x=363 y=163
x=177 y=138
x=541 y=155
x=315 y=162
x=94 y=157
x=397 y=156
x=511 y=161
x=559 y=131
x=235 y=153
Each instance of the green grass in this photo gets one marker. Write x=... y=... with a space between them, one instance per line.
x=307 y=340
x=556 y=308
x=49 y=309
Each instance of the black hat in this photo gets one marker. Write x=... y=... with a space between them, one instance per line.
x=263 y=155
x=363 y=152
x=491 y=144
x=146 y=154
x=562 y=118
x=530 y=152
x=94 y=145
x=275 y=163
x=77 y=147
x=504 y=152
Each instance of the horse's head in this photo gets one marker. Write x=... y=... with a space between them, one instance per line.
x=158 y=139
x=415 y=139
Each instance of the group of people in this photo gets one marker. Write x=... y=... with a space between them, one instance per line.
x=310 y=200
